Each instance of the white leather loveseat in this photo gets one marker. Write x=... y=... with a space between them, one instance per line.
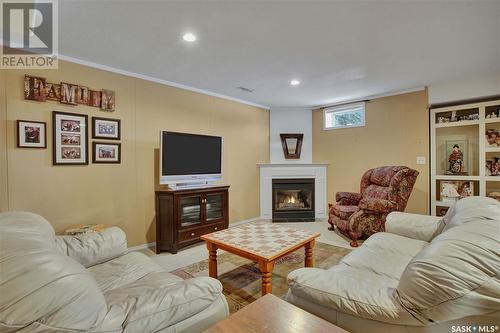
x=424 y=274
x=90 y=283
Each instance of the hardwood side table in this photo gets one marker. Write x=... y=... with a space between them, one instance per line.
x=270 y=314
x=263 y=243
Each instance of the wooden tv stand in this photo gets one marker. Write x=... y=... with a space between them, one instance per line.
x=183 y=215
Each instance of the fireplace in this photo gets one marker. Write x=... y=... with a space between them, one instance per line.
x=293 y=200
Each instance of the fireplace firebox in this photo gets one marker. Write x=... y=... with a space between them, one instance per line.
x=293 y=200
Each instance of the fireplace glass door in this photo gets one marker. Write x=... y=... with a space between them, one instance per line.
x=293 y=199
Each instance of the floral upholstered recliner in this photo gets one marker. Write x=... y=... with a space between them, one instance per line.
x=383 y=190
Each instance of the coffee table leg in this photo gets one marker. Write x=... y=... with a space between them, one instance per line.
x=309 y=260
x=266 y=269
x=212 y=260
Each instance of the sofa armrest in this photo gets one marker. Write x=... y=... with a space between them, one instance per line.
x=422 y=227
x=348 y=198
x=377 y=205
x=93 y=248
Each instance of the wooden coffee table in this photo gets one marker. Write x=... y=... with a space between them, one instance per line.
x=270 y=314
x=261 y=242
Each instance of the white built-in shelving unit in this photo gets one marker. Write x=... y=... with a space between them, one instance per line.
x=472 y=134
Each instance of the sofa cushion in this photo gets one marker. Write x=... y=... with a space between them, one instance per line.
x=382 y=257
x=382 y=176
x=349 y=291
x=158 y=301
x=39 y=286
x=343 y=212
x=364 y=282
x=457 y=274
x=124 y=270
x=469 y=210
x=377 y=192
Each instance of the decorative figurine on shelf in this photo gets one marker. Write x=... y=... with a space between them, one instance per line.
x=453 y=116
x=456 y=160
x=495 y=167
x=465 y=190
x=441 y=211
x=494 y=195
x=492 y=138
x=487 y=169
x=449 y=192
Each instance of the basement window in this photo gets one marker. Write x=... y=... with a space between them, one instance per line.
x=343 y=116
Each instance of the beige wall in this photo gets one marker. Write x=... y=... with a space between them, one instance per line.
x=123 y=194
x=3 y=146
x=396 y=132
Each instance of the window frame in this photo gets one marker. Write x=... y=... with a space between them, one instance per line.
x=344 y=108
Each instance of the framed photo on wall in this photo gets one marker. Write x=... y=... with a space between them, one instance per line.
x=105 y=128
x=104 y=152
x=31 y=134
x=70 y=138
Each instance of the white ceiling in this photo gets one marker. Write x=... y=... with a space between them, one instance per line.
x=339 y=50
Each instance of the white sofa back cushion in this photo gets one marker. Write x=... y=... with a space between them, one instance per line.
x=40 y=287
x=457 y=274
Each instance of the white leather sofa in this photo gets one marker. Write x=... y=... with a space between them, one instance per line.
x=90 y=283
x=424 y=274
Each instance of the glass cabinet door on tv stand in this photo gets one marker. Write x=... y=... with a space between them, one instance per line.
x=190 y=210
x=183 y=215
x=214 y=207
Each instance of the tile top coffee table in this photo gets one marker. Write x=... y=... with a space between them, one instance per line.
x=261 y=242
x=270 y=314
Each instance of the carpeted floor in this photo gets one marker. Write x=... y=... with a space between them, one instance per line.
x=241 y=278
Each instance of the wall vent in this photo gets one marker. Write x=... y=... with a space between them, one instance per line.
x=245 y=89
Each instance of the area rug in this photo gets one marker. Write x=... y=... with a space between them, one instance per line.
x=241 y=277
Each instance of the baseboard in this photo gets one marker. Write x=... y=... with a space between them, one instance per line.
x=142 y=246
x=234 y=224
x=153 y=244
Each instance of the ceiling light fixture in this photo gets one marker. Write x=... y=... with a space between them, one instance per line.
x=189 y=37
x=294 y=82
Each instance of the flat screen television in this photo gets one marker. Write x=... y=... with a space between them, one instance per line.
x=189 y=158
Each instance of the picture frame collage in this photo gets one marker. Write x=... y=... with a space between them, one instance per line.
x=70 y=131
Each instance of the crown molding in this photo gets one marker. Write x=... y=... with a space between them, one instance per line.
x=156 y=80
x=368 y=98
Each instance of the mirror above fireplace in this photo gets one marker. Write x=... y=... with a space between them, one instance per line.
x=292 y=145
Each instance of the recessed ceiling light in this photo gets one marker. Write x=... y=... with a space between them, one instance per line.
x=189 y=37
x=294 y=82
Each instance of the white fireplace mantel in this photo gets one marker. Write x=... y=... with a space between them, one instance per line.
x=268 y=171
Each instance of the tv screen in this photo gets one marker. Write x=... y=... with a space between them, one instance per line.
x=184 y=154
